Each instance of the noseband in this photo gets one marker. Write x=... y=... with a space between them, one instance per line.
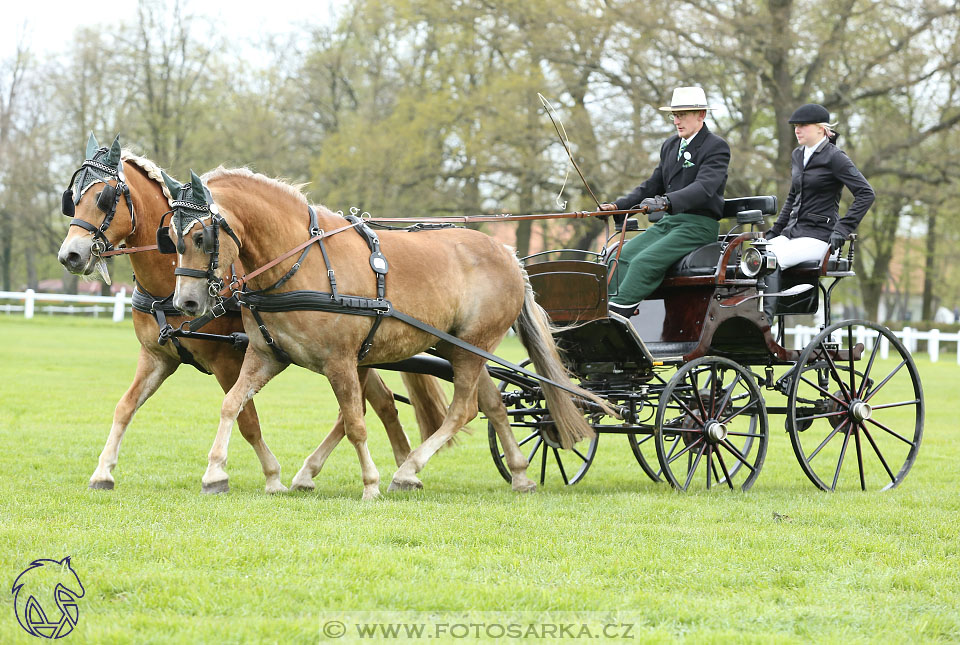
x=91 y=172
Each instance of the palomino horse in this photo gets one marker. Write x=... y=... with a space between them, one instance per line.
x=461 y=282
x=153 y=272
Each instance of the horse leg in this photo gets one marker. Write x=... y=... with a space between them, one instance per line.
x=381 y=400
x=345 y=382
x=226 y=372
x=491 y=403
x=152 y=371
x=254 y=374
x=463 y=408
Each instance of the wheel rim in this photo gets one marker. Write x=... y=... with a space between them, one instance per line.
x=536 y=435
x=644 y=448
x=855 y=422
x=711 y=426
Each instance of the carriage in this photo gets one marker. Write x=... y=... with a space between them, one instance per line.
x=689 y=371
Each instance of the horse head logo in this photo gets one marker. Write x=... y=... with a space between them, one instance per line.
x=45 y=598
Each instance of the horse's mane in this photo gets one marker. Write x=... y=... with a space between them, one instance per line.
x=150 y=168
x=293 y=190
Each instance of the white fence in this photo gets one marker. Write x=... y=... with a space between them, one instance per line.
x=120 y=304
x=803 y=335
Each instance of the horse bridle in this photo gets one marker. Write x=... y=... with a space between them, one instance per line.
x=184 y=215
x=107 y=199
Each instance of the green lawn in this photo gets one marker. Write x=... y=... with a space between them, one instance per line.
x=163 y=563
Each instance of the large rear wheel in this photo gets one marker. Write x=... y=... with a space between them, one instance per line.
x=862 y=409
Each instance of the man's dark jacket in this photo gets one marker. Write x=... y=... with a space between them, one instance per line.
x=812 y=208
x=696 y=188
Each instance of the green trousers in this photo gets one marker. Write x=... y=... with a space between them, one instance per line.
x=645 y=259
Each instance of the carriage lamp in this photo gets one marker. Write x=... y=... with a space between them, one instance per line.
x=757 y=262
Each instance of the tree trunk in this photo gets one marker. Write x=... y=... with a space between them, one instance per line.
x=929 y=268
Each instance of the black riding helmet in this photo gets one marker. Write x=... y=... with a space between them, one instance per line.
x=809 y=113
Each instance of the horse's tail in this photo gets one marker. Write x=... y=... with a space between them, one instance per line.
x=536 y=333
x=428 y=399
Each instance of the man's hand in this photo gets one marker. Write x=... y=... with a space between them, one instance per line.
x=769 y=235
x=608 y=207
x=837 y=239
x=654 y=204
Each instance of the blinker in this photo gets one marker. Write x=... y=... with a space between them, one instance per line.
x=66 y=203
x=209 y=240
x=106 y=198
x=164 y=244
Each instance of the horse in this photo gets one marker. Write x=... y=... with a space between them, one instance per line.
x=133 y=220
x=460 y=281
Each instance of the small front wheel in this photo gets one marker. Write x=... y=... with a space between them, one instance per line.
x=711 y=426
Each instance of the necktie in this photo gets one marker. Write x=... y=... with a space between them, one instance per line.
x=683 y=146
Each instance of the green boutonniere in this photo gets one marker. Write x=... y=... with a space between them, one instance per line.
x=686 y=160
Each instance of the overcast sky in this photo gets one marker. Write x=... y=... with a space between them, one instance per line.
x=50 y=23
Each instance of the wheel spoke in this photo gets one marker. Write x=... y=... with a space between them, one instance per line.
x=677 y=431
x=843 y=451
x=835 y=413
x=685 y=449
x=686 y=408
x=693 y=468
x=830 y=436
x=750 y=404
x=856 y=436
x=736 y=453
x=579 y=454
x=895 y=405
x=885 y=381
x=853 y=387
x=532 y=435
x=833 y=370
x=563 y=473
x=535 y=448
x=723 y=467
x=879 y=456
x=714 y=387
x=895 y=434
x=817 y=387
x=744 y=434
x=866 y=372
x=727 y=396
x=696 y=394
x=543 y=465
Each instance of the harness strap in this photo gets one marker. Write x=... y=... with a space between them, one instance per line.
x=278 y=352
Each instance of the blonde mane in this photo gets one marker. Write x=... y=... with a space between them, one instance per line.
x=294 y=190
x=147 y=166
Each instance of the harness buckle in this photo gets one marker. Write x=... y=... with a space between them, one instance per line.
x=219 y=309
x=316 y=231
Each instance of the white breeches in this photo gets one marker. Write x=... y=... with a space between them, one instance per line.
x=791 y=252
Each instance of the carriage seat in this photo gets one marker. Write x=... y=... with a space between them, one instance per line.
x=703 y=261
x=834 y=265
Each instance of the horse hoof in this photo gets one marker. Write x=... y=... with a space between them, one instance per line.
x=405 y=484
x=525 y=485
x=276 y=489
x=302 y=485
x=372 y=494
x=101 y=484
x=215 y=488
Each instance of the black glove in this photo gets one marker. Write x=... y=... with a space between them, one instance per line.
x=837 y=239
x=769 y=235
x=655 y=204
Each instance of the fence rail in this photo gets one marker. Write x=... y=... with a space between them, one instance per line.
x=120 y=304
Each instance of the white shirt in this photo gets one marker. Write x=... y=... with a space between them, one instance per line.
x=809 y=150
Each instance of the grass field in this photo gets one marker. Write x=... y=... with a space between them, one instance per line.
x=162 y=563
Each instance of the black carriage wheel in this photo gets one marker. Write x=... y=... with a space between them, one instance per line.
x=711 y=426
x=856 y=408
x=539 y=442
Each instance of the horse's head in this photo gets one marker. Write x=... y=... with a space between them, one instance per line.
x=194 y=234
x=95 y=227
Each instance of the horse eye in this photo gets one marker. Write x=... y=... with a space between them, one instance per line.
x=198 y=239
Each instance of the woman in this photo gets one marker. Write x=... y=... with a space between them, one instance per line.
x=810 y=221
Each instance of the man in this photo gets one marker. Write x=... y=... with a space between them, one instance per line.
x=683 y=196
